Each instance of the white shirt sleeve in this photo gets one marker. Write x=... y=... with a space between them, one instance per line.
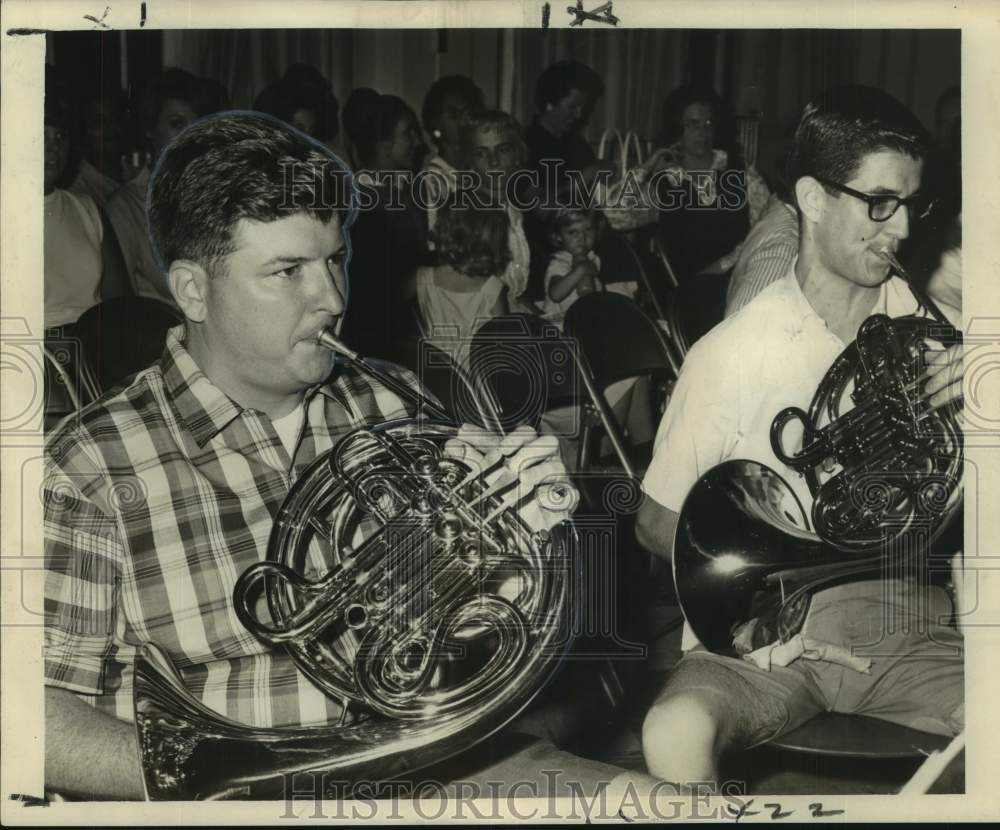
x=698 y=429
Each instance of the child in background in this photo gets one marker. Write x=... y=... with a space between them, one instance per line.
x=573 y=272
x=574 y=267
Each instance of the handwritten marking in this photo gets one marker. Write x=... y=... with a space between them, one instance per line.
x=818 y=812
x=546 y=11
x=776 y=811
x=142 y=15
x=96 y=22
x=602 y=14
x=29 y=800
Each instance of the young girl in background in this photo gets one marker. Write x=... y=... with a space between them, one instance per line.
x=573 y=272
x=464 y=290
x=574 y=268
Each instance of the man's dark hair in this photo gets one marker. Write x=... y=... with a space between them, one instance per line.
x=845 y=124
x=239 y=165
x=457 y=85
x=560 y=79
x=175 y=84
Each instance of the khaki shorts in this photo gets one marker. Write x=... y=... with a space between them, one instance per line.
x=916 y=679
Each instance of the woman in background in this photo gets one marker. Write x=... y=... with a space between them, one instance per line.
x=494 y=150
x=714 y=199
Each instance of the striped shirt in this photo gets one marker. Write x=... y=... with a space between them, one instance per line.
x=765 y=255
x=157 y=497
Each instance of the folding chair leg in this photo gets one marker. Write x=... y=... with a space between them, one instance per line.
x=583 y=450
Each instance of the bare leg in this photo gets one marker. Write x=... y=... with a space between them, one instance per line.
x=682 y=739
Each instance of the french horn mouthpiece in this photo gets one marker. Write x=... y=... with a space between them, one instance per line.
x=328 y=339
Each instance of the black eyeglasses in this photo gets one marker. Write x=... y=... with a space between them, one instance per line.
x=883 y=206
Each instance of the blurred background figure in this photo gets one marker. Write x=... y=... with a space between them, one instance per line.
x=565 y=95
x=166 y=105
x=933 y=255
x=304 y=98
x=767 y=253
x=387 y=136
x=445 y=106
x=356 y=109
x=103 y=141
x=389 y=239
x=81 y=263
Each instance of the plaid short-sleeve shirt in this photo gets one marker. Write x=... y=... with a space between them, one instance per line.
x=157 y=497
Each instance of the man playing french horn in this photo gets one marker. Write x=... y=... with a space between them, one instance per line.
x=162 y=493
x=856 y=175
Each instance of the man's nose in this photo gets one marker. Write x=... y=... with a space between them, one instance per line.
x=329 y=292
x=899 y=222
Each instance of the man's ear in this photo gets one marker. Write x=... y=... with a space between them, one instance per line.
x=189 y=285
x=811 y=197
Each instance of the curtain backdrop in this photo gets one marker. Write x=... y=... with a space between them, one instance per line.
x=776 y=72
x=395 y=62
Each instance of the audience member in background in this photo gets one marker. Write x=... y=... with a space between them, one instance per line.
x=712 y=199
x=766 y=254
x=494 y=149
x=464 y=290
x=387 y=138
x=303 y=98
x=82 y=264
x=445 y=106
x=356 y=108
x=565 y=95
x=574 y=267
x=102 y=145
x=167 y=104
x=389 y=238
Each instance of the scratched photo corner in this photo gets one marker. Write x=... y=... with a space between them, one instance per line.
x=486 y=423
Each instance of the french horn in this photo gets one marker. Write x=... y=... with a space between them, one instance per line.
x=404 y=588
x=884 y=472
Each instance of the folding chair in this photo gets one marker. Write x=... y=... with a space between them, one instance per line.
x=122 y=336
x=620 y=341
x=618 y=338
x=529 y=368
